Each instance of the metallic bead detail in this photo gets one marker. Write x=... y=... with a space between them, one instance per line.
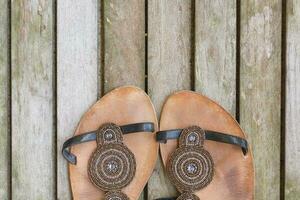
x=108 y=135
x=190 y=166
x=112 y=166
x=190 y=169
x=116 y=195
x=187 y=196
x=192 y=137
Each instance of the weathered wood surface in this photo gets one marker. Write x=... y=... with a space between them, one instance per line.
x=77 y=73
x=4 y=102
x=124 y=44
x=215 y=51
x=33 y=159
x=181 y=49
x=169 y=67
x=260 y=90
x=292 y=142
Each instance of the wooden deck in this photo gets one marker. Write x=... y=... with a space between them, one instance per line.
x=58 y=57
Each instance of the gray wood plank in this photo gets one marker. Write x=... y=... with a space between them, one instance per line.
x=215 y=51
x=260 y=90
x=4 y=78
x=77 y=73
x=33 y=150
x=292 y=174
x=124 y=43
x=169 y=67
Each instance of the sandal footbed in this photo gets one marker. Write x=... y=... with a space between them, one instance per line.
x=121 y=106
x=234 y=175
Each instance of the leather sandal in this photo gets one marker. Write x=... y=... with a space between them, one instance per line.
x=204 y=150
x=113 y=151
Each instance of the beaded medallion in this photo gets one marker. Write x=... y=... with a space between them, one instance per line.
x=187 y=196
x=115 y=195
x=112 y=165
x=190 y=166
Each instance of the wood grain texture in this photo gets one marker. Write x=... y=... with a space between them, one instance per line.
x=215 y=51
x=292 y=157
x=77 y=73
x=4 y=120
x=260 y=90
x=124 y=43
x=169 y=67
x=33 y=156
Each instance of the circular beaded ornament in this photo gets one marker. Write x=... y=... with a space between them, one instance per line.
x=112 y=165
x=188 y=196
x=190 y=166
x=116 y=195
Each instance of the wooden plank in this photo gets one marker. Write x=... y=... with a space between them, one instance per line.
x=33 y=150
x=215 y=51
x=4 y=78
x=124 y=44
x=260 y=90
x=169 y=67
x=77 y=73
x=124 y=41
x=292 y=175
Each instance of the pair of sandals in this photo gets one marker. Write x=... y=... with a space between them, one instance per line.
x=202 y=147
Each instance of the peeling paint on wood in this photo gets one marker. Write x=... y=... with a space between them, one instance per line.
x=169 y=67
x=292 y=126
x=260 y=90
x=32 y=100
x=77 y=73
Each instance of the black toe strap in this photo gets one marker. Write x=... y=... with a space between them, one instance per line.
x=163 y=136
x=91 y=136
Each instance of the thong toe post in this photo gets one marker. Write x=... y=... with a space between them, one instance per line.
x=113 y=151
x=191 y=167
x=112 y=166
x=204 y=150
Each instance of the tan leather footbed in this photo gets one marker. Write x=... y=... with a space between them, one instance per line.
x=234 y=175
x=125 y=105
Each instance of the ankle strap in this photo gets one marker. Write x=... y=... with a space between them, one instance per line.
x=91 y=136
x=163 y=136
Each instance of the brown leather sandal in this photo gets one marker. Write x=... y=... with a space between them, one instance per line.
x=204 y=150
x=113 y=151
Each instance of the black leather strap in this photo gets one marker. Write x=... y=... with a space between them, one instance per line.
x=91 y=136
x=163 y=136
